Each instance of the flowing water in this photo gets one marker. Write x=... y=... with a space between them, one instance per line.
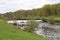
x=49 y=30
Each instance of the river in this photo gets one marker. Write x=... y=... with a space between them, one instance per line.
x=51 y=31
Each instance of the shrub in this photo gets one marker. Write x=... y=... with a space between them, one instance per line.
x=31 y=26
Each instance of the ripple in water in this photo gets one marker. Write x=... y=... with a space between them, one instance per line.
x=49 y=31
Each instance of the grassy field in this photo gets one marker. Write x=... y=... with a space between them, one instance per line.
x=9 y=32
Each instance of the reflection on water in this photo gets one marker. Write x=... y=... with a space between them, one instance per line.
x=49 y=31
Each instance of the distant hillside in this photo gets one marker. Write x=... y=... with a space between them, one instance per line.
x=9 y=32
x=47 y=10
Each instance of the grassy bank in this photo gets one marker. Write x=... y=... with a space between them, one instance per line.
x=9 y=32
x=57 y=18
x=52 y=19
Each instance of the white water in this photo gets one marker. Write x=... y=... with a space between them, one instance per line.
x=49 y=31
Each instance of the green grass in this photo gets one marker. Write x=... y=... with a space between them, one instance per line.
x=57 y=18
x=9 y=32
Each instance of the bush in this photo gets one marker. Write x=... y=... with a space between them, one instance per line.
x=31 y=26
x=50 y=20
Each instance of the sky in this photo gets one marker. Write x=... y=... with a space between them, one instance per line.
x=14 y=5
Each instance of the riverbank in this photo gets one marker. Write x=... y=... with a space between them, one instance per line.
x=52 y=19
x=10 y=32
x=45 y=29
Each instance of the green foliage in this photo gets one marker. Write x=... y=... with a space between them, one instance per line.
x=2 y=17
x=22 y=14
x=50 y=20
x=46 y=11
x=49 y=10
x=31 y=26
